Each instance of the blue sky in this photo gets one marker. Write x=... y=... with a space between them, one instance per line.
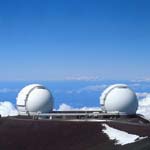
x=56 y=39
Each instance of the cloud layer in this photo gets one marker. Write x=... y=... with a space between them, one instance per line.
x=65 y=107
x=83 y=78
x=8 y=90
x=7 y=109
x=92 y=88
x=144 y=106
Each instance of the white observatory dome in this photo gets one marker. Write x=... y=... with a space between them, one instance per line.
x=119 y=98
x=34 y=98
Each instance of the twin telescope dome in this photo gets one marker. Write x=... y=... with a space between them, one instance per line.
x=120 y=98
x=35 y=98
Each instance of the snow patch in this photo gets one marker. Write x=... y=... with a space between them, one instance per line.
x=121 y=137
x=7 y=109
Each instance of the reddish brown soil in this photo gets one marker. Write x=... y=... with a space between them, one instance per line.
x=22 y=134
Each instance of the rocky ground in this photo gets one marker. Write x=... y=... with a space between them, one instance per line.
x=23 y=134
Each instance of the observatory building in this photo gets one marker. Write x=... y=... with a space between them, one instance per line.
x=37 y=101
x=34 y=98
x=120 y=98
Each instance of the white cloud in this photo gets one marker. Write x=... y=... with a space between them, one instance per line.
x=143 y=95
x=65 y=107
x=89 y=88
x=90 y=108
x=144 y=106
x=146 y=79
x=120 y=137
x=7 y=109
x=7 y=90
x=71 y=91
x=84 y=78
x=92 y=88
x=135 y=85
